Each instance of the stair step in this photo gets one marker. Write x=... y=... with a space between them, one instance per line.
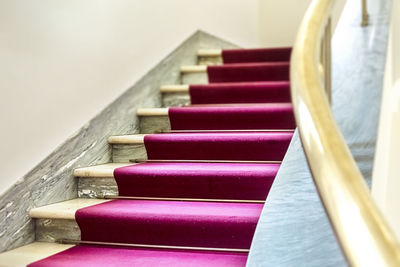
x=126 y=257
x=64 y=210
x=197 y=180
x=175 y=95
x=248 y=146
x=194 y=74
x=209 y=57
x=221 y=117
x=126 y=147
x=153 y=119
x=226 y=93
x=252 y=146
x=233 y=117
x=27 y=254
x=209 y=52
x=57 y=221
x=97 y=181
x=225 y=225
x=174 y=223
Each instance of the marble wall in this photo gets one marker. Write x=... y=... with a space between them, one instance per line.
x=52 y=180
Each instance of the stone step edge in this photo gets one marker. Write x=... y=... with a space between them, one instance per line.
x=64 y=210
x=209 y=52
x=194 y=69
x=131 y=139
x=152 y=112
x=24 y=255
x=175 y=88
x=99 y=171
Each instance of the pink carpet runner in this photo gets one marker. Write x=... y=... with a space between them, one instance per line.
x=256 y=78
x=246 y=92
x=184 y=180
x=248 y=72
x=256 y=55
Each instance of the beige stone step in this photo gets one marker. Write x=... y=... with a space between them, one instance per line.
x=209 y=57
x=127 y=147
x=63 y=210
x=126 y=139
x=175 y=95
x=27 y=254
x=99 y=171
x=57 y=221
x=152 y=120
x=194 y=74
x=175 y=88
x=97 y=181
x=209 y=52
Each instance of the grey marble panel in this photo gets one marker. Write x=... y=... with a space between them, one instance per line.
x=51 y=230
x=89 y=187
x=52 y=180
x=175 y=99
x=124 y=153
x=293 y=229
x=194 y=78
x=152 y=124
x=209 y=60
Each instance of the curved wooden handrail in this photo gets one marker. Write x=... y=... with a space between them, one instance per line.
x=363 y=234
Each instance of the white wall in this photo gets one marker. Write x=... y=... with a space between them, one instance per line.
x=279 y=19
x=61 y=62
x=385 y=180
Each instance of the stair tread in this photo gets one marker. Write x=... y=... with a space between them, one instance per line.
x=173 y=223
x=176 y=210
x=24 y=255
x=102 y=170
x=63 y=210
x=174 y=88
x=152 y=112
x=125 y=256
x=194 y=69
x=197 y=180
x=126 y=139
x=209 y=52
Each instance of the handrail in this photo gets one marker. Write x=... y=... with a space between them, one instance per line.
x=363 y=234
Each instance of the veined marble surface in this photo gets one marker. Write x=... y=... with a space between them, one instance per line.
x=52 y=180
x=293 y=229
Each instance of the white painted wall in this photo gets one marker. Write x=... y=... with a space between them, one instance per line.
x=62 y=62
x=386 y=174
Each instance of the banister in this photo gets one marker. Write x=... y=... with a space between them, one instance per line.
x=363 y=234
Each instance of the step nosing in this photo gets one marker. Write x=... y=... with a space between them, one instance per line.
x=209 y=52
x=97 y=171
x=126 y=139
x=194 y=69
x=152 y=112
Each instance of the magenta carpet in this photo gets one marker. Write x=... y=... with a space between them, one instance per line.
x=248 y=72
x=260 y=146
x=93 y=256
x=271 y=116
x=246 y=92
x=251 y=91
x=185 y=180
x=256 y=55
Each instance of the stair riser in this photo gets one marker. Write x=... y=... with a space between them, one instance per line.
x=124 y=153
x=194 y=78
x=96 y=187
x=175 y=99
x=152 y=124
x=202 y=60
x=51 y=230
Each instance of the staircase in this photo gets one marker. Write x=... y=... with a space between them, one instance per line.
x=189 y=189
